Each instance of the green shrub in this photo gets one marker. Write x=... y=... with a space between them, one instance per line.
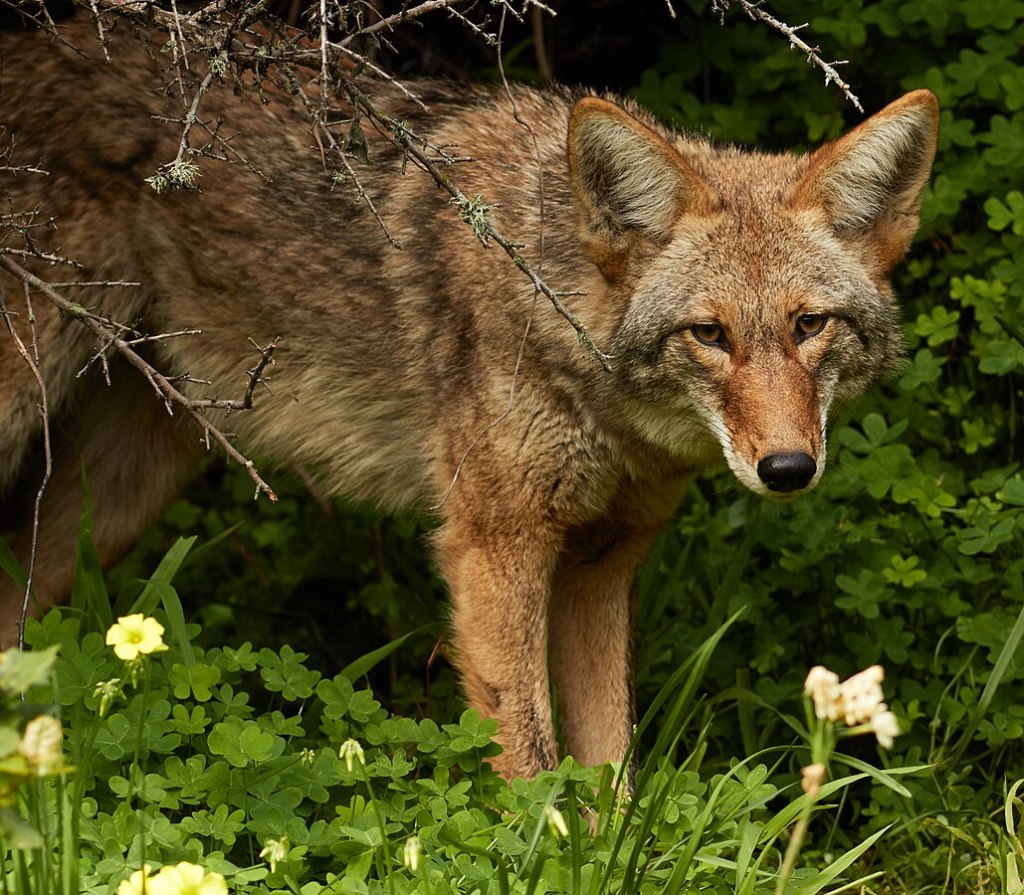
x=244 y=768
x=911 y=551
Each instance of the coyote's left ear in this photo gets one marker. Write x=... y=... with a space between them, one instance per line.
x=869 y=182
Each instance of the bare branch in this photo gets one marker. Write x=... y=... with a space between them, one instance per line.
x=21 y=169
x=162 y=385
x=44 y=414
x=322 y=131
x=330 y=76
x=473 y=211
x=43 y=256
x=406 y=15
x=255 y=375
x=757 y=12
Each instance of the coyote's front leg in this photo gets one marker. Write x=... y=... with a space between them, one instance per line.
x=592 y=638
x=499 y=573
x=592 y=617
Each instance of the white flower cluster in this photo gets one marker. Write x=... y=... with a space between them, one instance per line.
x=812 y=778
x=857 y=700
x=41 y=745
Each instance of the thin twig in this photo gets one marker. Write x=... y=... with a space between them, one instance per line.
x=407 y=141
x=256 y=378
x=540 y=265
x=756 y=11
x=179 y=34
x=44 y=415
x=21 y=169
x=383 y=75
x=406 y=15
x=161 y=384
x=100 y=33
x=78 y=284
x=43 y=256
x=192 y=115
x=321 y=129
x=501 y=417
x=160 y=337
x=325 y=78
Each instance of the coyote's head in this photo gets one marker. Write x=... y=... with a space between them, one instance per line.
x=752 y=290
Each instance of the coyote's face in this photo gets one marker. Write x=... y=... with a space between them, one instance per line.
x=755 y=335
x=755 y=288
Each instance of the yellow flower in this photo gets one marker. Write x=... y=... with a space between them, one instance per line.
x=134 y=884
x=186 y=879
x=41 y=744
x=134 y=636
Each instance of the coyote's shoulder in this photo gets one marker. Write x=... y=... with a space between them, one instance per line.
x=740 y=296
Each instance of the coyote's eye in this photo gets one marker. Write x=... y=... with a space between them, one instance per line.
x=710 y=334
x=808 y=325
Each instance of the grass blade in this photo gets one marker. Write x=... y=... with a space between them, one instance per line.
x=358 y=667
x=824 y=877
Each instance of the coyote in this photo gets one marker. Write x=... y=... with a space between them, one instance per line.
x=740 y=296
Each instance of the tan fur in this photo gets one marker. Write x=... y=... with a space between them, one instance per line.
x=393 y=363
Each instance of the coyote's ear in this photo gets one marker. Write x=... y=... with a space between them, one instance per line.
x=627 y=180
x=869 y=182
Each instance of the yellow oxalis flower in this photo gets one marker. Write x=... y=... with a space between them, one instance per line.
x=133 y=885
x=135 y=635
x=186 y=879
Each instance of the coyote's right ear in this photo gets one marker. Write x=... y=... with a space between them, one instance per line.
x=627 y=180
x=869 y=181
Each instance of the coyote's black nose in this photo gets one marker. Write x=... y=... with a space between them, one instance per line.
x=787 y=472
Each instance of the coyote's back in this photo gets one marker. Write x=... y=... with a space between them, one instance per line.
x=740 y=296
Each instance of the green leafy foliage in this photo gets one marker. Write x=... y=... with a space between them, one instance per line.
x=262 y=773
x=910 y=553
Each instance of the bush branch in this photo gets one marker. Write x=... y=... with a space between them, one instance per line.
x=757 y=12
x=474 y=212
x=44 y=414
x=162 y=385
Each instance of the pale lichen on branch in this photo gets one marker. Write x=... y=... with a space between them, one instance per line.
x=319 y=50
